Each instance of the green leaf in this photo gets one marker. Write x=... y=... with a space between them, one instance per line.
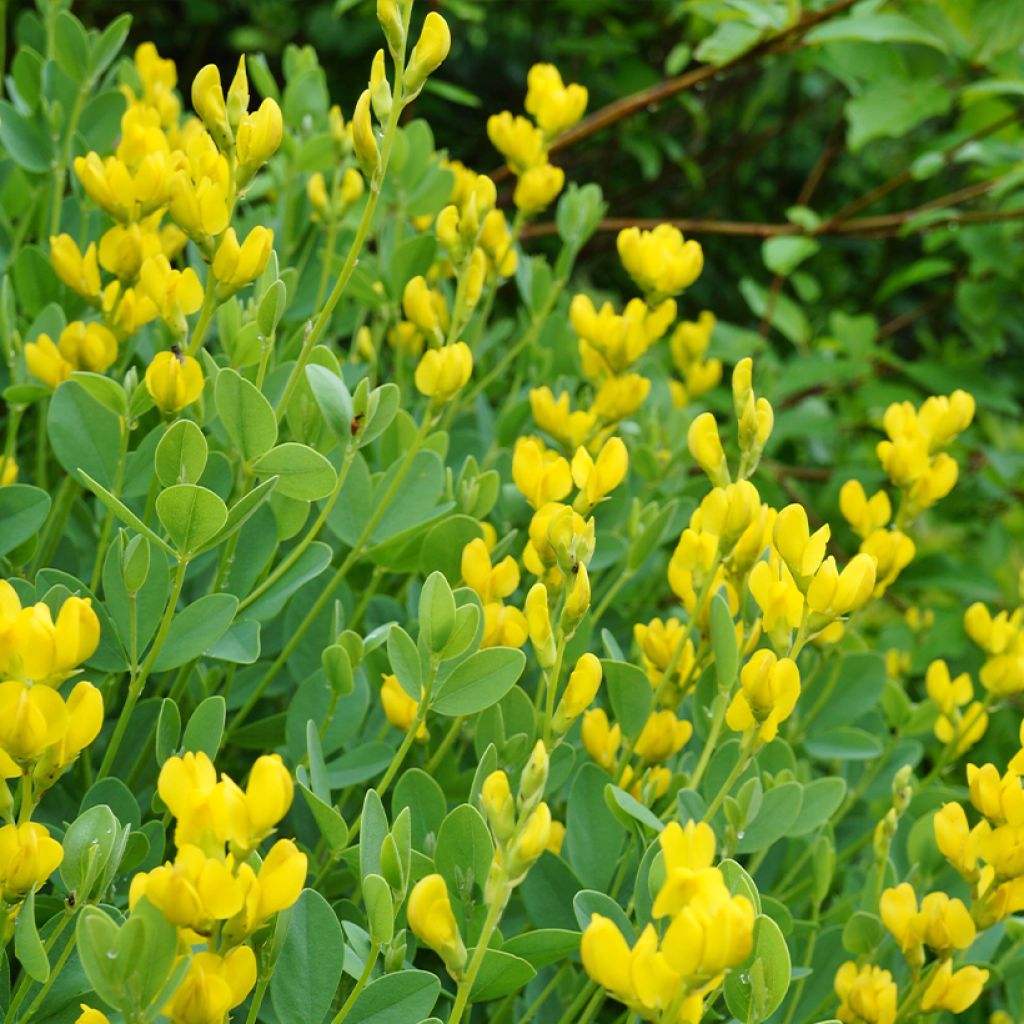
x=619 y=800
x=191 y=514
x=105 y=390
x=630 y=695
x=873 y=28
x=892 y=107
x=739 y=882
x=844 y=743
x=181 y=454
x=109 y=44
x=242 y=510
x=755 y=990
x=168 y=730
x=779 y=809
x=479 y=681
x=783 y=254
x=857 y=690
x=593 y=834
x=334 y=401
x=862 y=933
x=28 y=947
x=308 y=970
x=247 y=415
x=404 y=656
x=25 y=139
x=195 y=629
x=651 y=535
x=89 y=844
x=328 y=819
x=588 y=902
x=723 y=642
x=205 y=728
x=500 y=973
x=84 y=434
x=303 y=472
x=124 y=513
x=544 y=946
x=464 y=850
x=71 y=45
x=401 y=998
x=23 y=510
x=821 y=799
x=437 y=612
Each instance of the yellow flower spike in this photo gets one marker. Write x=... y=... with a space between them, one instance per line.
x=867 y=994
x=91 y=1016
x=865 y=515
x=801 y=550
x=706 y=448
x=663 y=735
x=999 y=797
x=259 y=136
x=580 y=691
x=432 y=921
x=538 y=620
x=606 y=956
x=77 y=632
x=32 y=718
x=541 y=475
x=46 y=363
x=425 y=307
x=399 y=708
x=28 y=856
x=443 y=372
x=600 y=739
x=537 y=188
x=597 y=478
x=79 y=271
x=428 y=54
x=496 y=797
x=173 y=381
x=519 y=141
x=556 y=107
x=213 y=986
x=237 y=102
x=234 y=266
x=363 y=139
x=208 y=102
x=769 y=690
x=660 y=261
x=954 y=991
x=88 y=346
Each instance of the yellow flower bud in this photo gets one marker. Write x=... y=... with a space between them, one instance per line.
x=432 y=921
x=442 y=373
x=538 y=187
x=91 y=1016
x=77 y=634
x=235 y=266
x=208 y=102
x=28 y=856
x=8 y=471
x=45 y=362
x=606 y=956
x=662 y=736
x=80 y=272
x=580 y=691
x=399 y=708
x=706 y=448
x=363 y=139
x=281 y=878
x=742 y=381
x=577 y=601
x=496 y=797
x=352 y=187
x=175 y=293
x=538 y=619
x=173 y=381
x=428 y=54
x=425 y=307
x=316 y=192
x=259 y=136
x=238 y=95
x=955 y=840
x=801 y=550
x=390 y=18
x=863 y=514
x=531 y=842
x=200 y=210
x=380 y=89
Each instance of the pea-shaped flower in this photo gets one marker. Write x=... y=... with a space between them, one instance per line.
x=173 y=381
x=432 y=921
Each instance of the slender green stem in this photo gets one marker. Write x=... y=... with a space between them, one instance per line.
x=336 y=580
x=620 y=581
x=65 y=954
x=552 y=687
x=746 y=753
x=717 y=724
x=137 y=682
x=445 y=745
x=205 y=314
x=325 y=272
x=108 y=520
x=550 y=987
x=360 y=984
x=494 y=913
x=257 y=999
x=588 y=994
x=61 y=170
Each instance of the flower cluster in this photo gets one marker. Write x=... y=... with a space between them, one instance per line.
x=666 y=975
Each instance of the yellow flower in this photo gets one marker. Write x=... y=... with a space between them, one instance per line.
x=188 y=787
x=706 y=448
x=363 y=140
x=316 y=192
x=91 y=1016
x=175 y=293
x=496 y=240
x=79 y=271
x=577 y=601
x=425 y=307
x=555 y=417
x=173 y=381
x=255 y=812
x=537 y=188
x=531 y=842
x=443 y=372
x=208 y=102
x=708 y=936
x=953 y=991
x=28 y=856
x=801 y=550
x=538 y=620
x=124 y=194
x=8 y=471
x=597 y=478
x=556 y=837
x=259 y=135
x=892 y=551
x=504 y=626
x=600 y=739
x=777 y=595
x=45 y=362
x=127 y=309
x=496 y=797
x=865 y=515
x=234 y=266
x=833 y=593
x=688 y=852
x=556 y=107
x=954 y=838
x=519 y=142
x=606 y=956
x=432 y=921
x=541 y=475
x=491 y=582
x=213 y=986
x=201 y=209
x=399 y=708
x=88 y=346
x=769 y=690
x=660 y=261
x=85 y=719
x=619 y=397
x=429 y=52
x=662 y=736
x=867 y=995
x=658 y=641
x=124 y=248
x=32 y=718
x=999 y=797
x=580 y=691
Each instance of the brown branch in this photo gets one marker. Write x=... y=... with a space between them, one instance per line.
x=628 y=105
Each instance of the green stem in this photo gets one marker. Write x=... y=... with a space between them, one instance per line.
x=137 y=682
x=336 y=580
x=445 y=745
x=59 y=966
x=749 y=748
x=494 y=913
x=552 y=688
x=257 y=999
x=717 y=723
x=620 y=581
x=205 y=314
x=360 y=984
x=108 y=520
x=61 y=170
x=531 y=1011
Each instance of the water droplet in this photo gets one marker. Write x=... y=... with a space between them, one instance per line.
x=111 y=954
x=739 y=835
